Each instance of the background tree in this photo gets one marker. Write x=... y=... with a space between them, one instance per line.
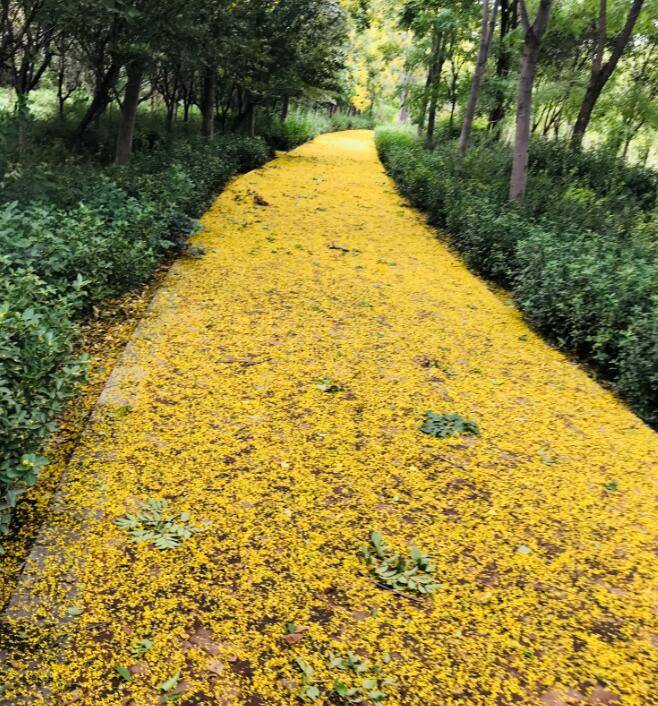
x=489 y=14
x=533 y=34
x=601 y=70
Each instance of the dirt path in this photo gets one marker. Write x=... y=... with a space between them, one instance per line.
x=275 y=392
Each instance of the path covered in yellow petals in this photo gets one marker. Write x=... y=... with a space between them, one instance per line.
x=275 y=392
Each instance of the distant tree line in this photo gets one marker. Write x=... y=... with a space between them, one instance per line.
x=550 y=66
x=225 y=58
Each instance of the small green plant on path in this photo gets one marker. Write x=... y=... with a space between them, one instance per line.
x=166 y=687
x=124 y=673
x=153 y=524
x=414 y=573
x=141 y=647
x=441 y=426
x=309 y=690
x=363 y=681
x=328 y=385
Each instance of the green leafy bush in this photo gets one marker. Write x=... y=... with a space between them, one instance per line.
x=83 y=235
x=297 y=128
x=37 y=375
x=302 y=126
x=580 y=254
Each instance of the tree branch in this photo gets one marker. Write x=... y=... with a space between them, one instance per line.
x=525 y=20
x=602 y=36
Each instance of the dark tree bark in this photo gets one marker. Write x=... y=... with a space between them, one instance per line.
x=509 y=19
x=208 y=90
x=65 y=89
x=486 y=36
x=436 y=39
x=531 y=45
x=246 y=119
x=101 y=99
x=124 y=147
x=285 y=106
x=436 y=71
x=601 y=72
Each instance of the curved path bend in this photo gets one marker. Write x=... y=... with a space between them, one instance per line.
x=275 y=392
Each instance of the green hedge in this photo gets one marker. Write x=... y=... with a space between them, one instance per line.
x=82 y=236
x=581 y=255
x=301 y=126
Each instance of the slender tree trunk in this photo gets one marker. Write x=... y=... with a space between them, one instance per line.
x=531 y=45
x=601 y=72
x=437 y=69
x=486 y=36
x=60 y=90
x=208 y=89
x=627 y=144
x=431 y=117
x=508 y=21
x=247 y=120
x=403 y=115
x=124 y=148
x=285 y=107
x=519 y=175
x=99 y=102
x=169 y=118
x=428 y=83
x=187 y=104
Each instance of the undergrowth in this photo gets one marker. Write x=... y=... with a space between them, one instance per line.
x=580 y=254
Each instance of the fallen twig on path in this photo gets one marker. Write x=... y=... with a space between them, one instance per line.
x=402 y=594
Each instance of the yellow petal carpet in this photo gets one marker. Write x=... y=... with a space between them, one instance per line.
x=275 y=391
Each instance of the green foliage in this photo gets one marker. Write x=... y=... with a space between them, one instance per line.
x=141 y=647
x=37 y=374
x=297 y=128
x=414 y=573
x=344 y=121
x=301 y=126
x=309 y=691
x=152 y=524
x=88 y=234
x=580 y=254
x=328 y=385
x=441 y=426
x=124 y=673
x=362 y=682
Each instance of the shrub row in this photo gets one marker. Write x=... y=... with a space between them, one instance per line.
x=581 y=255
x=301 y=126
x=79 y=237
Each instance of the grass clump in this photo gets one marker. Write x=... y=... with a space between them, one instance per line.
x=152 y=524
x=414 y=573
x=441 y=426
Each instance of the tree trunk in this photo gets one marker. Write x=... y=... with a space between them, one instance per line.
x=431 y=117
x=531 y=45
x=486 y=35
x=60 y=90
x=124 y=148
x=600 y=72
x=208 y=89
x=169 y=118
x=508 y=21
x=245 y=120
x=99 y=102
x=406 y=80
x=437 y=69
x=428 y=83
x=285 y=106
